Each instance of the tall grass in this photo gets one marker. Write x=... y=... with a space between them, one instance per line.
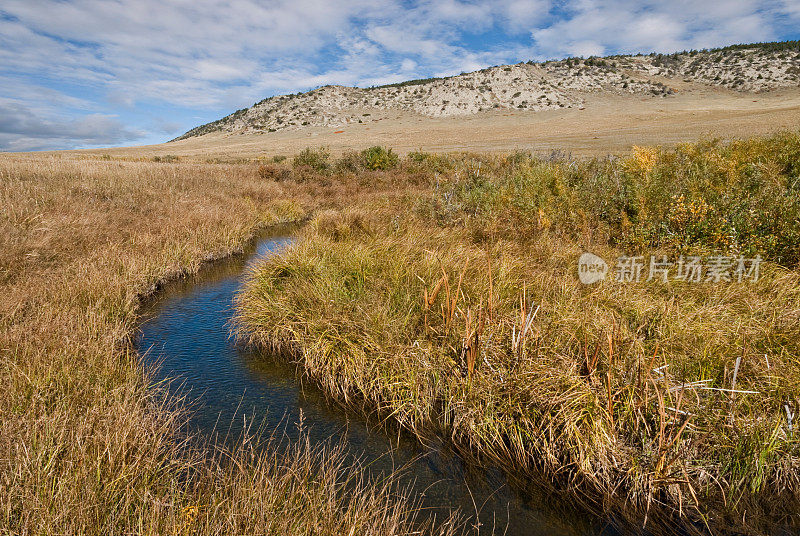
x=444 y=297
x=87 y=445
x=654 y=401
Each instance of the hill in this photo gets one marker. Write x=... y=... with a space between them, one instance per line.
x=528 y=87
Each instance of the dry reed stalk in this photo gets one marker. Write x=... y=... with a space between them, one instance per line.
x=490 y=303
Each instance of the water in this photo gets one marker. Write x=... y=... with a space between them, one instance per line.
x=186 y=332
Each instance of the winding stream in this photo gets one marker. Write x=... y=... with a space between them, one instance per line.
x=186 y=334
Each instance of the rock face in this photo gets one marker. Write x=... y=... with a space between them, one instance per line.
x=523 y=86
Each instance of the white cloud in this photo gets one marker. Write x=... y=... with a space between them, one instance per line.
x=23 y=129
x=598 y=27
x=408 y=65
x=524 y=15
x=791 y=8
x=218 y=71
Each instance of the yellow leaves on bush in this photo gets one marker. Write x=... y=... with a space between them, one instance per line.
x=727 y=165
x=642 y=159
x=684 y=213
x=698 y=219
x=542 y=220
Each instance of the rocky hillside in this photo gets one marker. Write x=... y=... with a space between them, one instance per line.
x=524 y=86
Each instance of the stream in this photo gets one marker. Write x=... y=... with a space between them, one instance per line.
x=185 y=337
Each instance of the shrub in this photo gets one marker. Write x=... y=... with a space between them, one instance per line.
x=316 y=159
x=517 y=158
x=418 y=157
x=350 y=161
x=379 y=158
x=429 y=162
x=738 y=198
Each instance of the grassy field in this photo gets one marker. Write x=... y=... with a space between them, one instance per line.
x=439 y=291
x=459 y=313
x=88 y=447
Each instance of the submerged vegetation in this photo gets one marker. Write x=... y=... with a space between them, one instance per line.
x=658 y=401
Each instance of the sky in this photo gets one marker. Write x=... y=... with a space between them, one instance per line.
x=105 y=73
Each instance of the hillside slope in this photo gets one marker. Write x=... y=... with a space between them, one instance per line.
x=552 y=85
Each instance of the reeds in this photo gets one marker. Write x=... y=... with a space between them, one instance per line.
x=445 y=299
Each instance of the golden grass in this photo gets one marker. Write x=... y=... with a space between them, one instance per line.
x=440 y=293
x=478 y=330
x=86 y=446
x=532 y=370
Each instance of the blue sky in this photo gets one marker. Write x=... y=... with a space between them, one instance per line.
x=100 y=73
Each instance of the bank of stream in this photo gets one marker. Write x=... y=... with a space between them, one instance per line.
x=186 y=334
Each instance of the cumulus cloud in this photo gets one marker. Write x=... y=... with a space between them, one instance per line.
x=594 y=27
x=104 y=58
x=23 y=129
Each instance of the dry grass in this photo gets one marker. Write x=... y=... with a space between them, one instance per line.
x=441 y=294
x=622 y=396
x=86 y=447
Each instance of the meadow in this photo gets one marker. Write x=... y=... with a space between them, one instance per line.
x=439 y=292
x=89 y=445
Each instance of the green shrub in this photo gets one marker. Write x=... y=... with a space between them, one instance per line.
x=316 y=159
x=418 y=157
x=379 y=158
x=737 y=198
x=429 y=162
